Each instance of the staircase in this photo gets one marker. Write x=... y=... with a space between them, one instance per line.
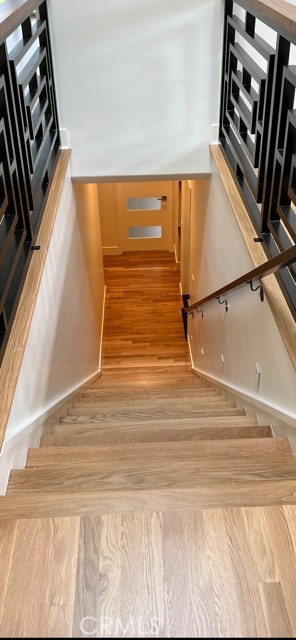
x=156 y=507
x=158 y=438
x=149 y=433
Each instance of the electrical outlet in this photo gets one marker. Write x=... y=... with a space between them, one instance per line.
x=257 y=376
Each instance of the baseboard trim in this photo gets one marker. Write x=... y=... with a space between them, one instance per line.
x=282 y=423
x=178 y=263
x=14 y=450
x=111 y=251
x=102 y=329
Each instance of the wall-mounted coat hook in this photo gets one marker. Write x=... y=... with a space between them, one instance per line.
x=223 y=302
x=261 y=292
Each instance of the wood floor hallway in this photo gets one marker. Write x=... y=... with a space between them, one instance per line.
x=156 y=507
x=143 y=323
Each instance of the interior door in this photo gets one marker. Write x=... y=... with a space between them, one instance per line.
x=145 y=215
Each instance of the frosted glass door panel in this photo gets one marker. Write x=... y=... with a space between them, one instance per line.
x=143 y=204
x=144 y=232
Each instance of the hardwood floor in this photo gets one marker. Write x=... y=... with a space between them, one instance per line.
x=143 y=311
x=156 y=507
x=197 y=573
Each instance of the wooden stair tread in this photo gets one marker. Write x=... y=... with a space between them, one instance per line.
x=234 y=570
x=90 y=434
x=137 y=416
x=196 y=439
x=143 y=375
x=114 y=454
x=180 y=357
x=154 y=370
x=169 y=473
x=151 y=384
x=123 y=394
x=158 y=407
x=173 y=423
x=167 y=373
x=205 y=417
x=270 y=492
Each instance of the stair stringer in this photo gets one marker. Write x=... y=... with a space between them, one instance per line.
x=282 y=424
x=15 y=449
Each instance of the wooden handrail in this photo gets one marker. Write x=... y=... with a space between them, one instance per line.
x=267 y=268
x=12 y=360
x=282 y=14
x=13 y=12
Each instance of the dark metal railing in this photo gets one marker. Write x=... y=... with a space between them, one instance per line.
x=29 y=143
x=258 y=121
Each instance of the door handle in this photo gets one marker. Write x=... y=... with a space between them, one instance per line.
x=162 y=198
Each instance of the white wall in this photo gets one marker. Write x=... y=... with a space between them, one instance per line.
x=137 y=83
x=247 y=334
x=108 y=218
x=63 y=346
x=185 y=236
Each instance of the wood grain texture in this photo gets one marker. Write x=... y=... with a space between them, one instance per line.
x=87 y=573
x=66 y=426
x=194 y=573
x=277 y=619
x=158 y=372
x=8 y=531
x=129 y=454
x=282 y=14
x=122 y=395
x=143 y=322
x=173 y=423
x=152 y=404
x=40 y=505
x=162 y=409
x=119 y=417
x=141 y=476
x=13 y=12
x=88 y=434
x=148 y=512
x=41 y=580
